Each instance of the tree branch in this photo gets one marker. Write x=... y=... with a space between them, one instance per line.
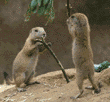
x=59 y=63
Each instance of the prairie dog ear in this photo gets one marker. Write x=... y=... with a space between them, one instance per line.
x=83 y=23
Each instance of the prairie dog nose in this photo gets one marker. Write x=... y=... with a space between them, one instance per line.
x=44 y=34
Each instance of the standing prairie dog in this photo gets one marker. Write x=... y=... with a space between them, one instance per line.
x=26 y=60
x=82 y=54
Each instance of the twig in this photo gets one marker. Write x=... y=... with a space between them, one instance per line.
x=68 y=8
x=9 y=96
x=52 y=53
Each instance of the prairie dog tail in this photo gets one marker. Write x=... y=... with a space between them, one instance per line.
x=8 y=81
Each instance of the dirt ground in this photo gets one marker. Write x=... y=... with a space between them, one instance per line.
x=53 y=88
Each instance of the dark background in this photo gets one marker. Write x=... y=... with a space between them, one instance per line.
x=14 y=31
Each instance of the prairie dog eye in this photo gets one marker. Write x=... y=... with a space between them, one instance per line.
x=36 y=30
x=72 y=16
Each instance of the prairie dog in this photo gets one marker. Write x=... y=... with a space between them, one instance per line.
x=82 y=54
x=26 y=60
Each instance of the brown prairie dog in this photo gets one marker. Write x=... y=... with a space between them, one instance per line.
x=82 y=54
x=26 y=60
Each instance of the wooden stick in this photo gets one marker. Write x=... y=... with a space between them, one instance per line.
x=59 y=63
x=68 y=7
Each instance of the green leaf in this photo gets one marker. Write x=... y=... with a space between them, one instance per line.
x=34 y=10
x=52 y=15
x=49 y=5
x=29 y=10
x=34 y=3
x=102 y=66
x=45 y=2
x=28 y=13
x=45 y=9
x=39 y=2
x=41 y=10
x=48 y=8
x=49 y=13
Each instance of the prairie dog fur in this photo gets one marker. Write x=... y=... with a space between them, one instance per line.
x=79 y=29
x=26 y=60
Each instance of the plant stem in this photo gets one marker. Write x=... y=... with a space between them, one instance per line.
x=68 y=8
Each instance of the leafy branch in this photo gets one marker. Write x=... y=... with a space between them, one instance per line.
x=41 y=7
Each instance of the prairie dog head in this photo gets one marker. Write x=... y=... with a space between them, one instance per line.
x=37 y=33
x=77 y=23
